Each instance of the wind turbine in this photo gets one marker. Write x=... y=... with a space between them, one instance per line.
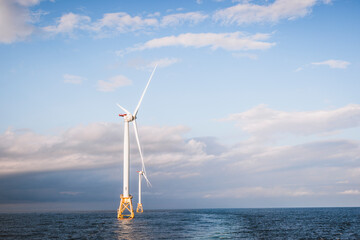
x=139 y=208
x=126 y=202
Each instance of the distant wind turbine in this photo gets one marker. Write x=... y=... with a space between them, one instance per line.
x=126 y=202
x=139 y=208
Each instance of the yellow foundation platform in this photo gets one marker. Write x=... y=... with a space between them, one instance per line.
x=125 y=210
x=139 y=208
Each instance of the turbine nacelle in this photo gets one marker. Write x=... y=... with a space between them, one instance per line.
x=142 y=173
x=128 y=117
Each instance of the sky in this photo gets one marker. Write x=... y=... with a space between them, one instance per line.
x=254 y=104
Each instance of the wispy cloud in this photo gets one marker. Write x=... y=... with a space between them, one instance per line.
x=123 y=22
x=350 y=192
x=264 y=121
x=245 y=13
x=163 y=62
x=109 y=24
x=235 y=41
x=73 y=79
x=327 y=1
x=27 y=3
x=342 y=182
x=181 y=18
x=332 y=155
x=140 y=63
x=333 y=63
x=238 y=1
x=113 y=83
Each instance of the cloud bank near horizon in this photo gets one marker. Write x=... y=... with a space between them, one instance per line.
x=295 y=171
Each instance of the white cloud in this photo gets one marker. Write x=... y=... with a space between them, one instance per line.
x=68 y=23
x=73 y=79
x=181 y=18
x=329 y=155
x=264 y=121
x=143 y=64
x=123 y=22
x=119 y=22
x=163 y=62
x=244 y=13
x=350 y=192
x=155 y=14
x=15 y=20
x=235 y=41
x=113 y=83
x=333 y=63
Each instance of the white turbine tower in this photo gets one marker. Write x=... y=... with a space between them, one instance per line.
x=126 y=203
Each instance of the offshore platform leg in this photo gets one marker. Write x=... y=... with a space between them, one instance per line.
x=139 y=208
x=125 y=210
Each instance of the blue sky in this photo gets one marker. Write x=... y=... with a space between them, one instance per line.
x=254 y=103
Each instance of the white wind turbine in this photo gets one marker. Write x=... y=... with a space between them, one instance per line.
x=126 y=203
x=139 y=208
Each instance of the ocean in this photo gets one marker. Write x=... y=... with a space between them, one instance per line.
x=274 y=223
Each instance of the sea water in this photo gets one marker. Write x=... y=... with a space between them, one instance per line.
x=278 y=223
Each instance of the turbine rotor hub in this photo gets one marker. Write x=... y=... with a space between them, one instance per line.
x=129 y=118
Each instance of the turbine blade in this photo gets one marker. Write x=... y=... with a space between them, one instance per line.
x=123 y=109
x=147 y=180
x=142 y=96
x=138 y=143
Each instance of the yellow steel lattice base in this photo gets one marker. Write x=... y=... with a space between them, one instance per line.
x=125 y=210
x=139 y=208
